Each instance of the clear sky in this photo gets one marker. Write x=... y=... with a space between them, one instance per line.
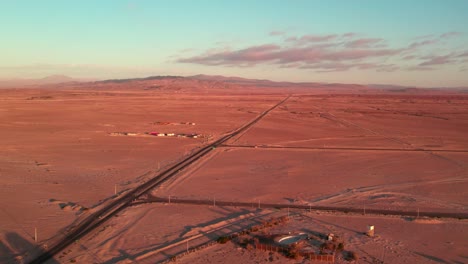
x=417 y=42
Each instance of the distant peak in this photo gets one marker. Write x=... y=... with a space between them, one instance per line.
x=57 y=77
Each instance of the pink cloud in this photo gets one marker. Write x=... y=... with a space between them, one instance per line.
x=277 y=33
x=363 y=42
x=330 y=52
x=464 y=54
x=339 y=66
x=437 y=60
x=451 y=34
x=349 y=35
x=420 y=68
x=312 y=39
x=249 y=56
x=424 y=36
x=418 y=44
x=409 y=57
x=303 y=57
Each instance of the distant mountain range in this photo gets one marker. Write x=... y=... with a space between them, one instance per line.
x=219 y=80
x=53 y=79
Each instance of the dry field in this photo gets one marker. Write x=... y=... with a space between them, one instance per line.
x=361 y=151
x=59 y=162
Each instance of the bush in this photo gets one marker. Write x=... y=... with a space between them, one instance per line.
x=293 y=253
x=254 y=229
x=352 y=256
x=244 y=242
x=249 y=247
x=223 y=239
x=340 y=247
x=327 y=246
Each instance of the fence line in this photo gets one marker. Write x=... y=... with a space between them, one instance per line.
x=310 y=256
x=253 y=204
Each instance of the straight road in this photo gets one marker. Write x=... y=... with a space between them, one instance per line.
x=97 y=218
x=343 y=148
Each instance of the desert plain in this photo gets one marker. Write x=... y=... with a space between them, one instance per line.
x=68 y=150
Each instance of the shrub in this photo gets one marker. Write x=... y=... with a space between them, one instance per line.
x=244 y=242
x=327 y=246
x=293 y=253
x=223 y=239
x=340 y=247
x=352 y=256
x=249 y=247
x=254 y=229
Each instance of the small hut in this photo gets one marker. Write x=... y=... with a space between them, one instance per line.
x=370 y=230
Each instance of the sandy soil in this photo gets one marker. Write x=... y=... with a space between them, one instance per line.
x=58 y=162
x=135 y=236
x=343 y=151
x=57 y=152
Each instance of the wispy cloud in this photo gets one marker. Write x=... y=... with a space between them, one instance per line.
x=437 y=60
x=349 y=35
x=364 y=43
x=277 y=33
x=419 y=44
x=312 y=38
x=331 y=52
x=451 y=34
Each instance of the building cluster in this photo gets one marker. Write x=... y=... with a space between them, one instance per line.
x=173 y=123
x=157 y=134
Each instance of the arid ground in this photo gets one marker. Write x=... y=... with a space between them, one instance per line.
x=67 y=150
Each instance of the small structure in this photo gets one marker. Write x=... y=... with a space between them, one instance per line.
x=290 y=239
x=370 y=230
x=330 y=237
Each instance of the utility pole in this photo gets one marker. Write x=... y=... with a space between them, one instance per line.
x=383 y=254
x=35 y=234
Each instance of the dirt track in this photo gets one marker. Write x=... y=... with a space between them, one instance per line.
x=338 y=148
x=153 y=199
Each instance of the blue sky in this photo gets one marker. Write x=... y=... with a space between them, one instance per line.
x=423 y=43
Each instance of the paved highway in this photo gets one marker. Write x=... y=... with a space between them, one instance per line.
x=99 y=217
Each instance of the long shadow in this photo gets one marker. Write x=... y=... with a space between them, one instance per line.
x=16 y=248
x=432 y=258
x=315 y=238
x=229 y=214
x=6 y=255
x=335 y=225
